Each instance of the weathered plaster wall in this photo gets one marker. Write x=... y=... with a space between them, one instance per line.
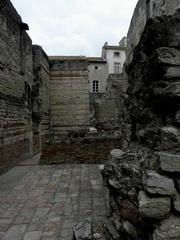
x=143 y=11
x=111 y=59
x=101 y=74
x=69 y=95
x=16 y=78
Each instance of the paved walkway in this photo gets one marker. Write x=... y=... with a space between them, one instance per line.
x=44 y=202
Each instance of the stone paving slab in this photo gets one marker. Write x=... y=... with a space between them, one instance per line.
x=44 y=202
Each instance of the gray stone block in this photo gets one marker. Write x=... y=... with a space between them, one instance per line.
x=169 y=162
x=116 y=153
x=168 y=229
x=155 y=183
x=151 y=207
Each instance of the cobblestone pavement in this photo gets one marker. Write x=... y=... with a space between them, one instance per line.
x=44 y=202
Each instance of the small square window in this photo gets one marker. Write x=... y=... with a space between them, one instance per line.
x=116 y=54
x=96 y=67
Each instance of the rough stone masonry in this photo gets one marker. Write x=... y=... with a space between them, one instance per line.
x=31 y=86
x=43 y=100
x=144 y=176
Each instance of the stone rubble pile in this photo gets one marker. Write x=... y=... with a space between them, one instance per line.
x=145 y=202
x=88 y=230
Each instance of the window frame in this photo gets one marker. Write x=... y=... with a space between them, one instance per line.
x=95 y=86
x=117 y=67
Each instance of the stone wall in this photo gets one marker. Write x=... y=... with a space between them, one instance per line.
x=84 y=150
x=69 y=95
x=42 y=94
x=16 y=79
x=24 y=91
x=143 y=178
x=143 y=11
x=107 y=109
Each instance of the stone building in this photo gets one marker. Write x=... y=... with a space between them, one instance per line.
x=69 y=95
x=115 y=56
x=105 y=102
x=98 y=74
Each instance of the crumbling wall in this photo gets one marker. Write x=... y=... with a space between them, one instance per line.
x=144 y=179
x=16 y=79
x=153 y=93
x=69 y=96
x=143 y=11
x=108 y=109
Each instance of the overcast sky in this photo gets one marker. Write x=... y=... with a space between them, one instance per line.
x=76 y=27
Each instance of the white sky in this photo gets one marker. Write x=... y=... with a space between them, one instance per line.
x=76 y=27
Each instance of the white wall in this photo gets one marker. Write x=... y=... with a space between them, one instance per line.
x=111 y=59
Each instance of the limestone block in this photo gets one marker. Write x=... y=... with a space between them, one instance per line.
x=153 y=207
x=170 y=137
x=155 y=183
x=169 y=162
x=168 y=229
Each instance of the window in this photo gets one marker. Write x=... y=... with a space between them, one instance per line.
x=116 y=67
x=116 y=54
x=95 y=86
x=96 y=67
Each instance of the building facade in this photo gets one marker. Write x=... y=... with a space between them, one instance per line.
x=98 y=74
x=115 y=56
x=111 y=62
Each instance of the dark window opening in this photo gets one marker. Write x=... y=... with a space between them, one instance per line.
x=95 y=86
x=116 y=54
x=96 y=67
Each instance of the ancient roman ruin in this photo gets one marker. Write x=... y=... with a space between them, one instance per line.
x=134 y=130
